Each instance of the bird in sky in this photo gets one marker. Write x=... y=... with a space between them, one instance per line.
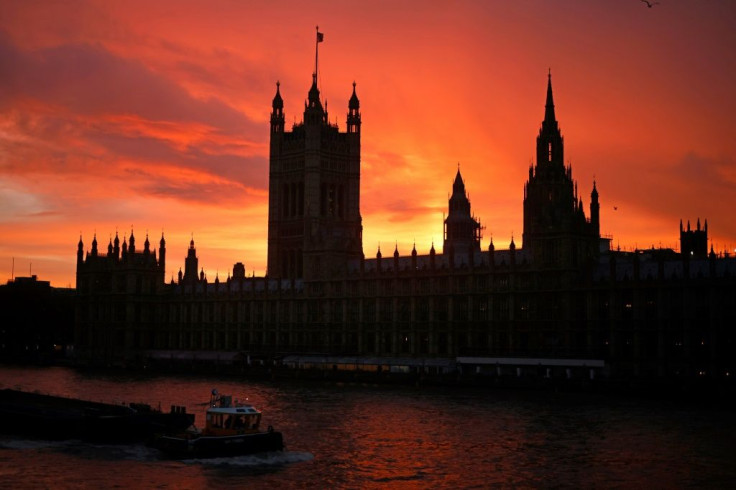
x=650 y=4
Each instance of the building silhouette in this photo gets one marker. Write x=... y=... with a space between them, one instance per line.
x=563 y=304
x=314 y=223
x=38 y=321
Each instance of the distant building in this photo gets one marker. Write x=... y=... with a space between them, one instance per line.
x=38 y=320
x=563 y=303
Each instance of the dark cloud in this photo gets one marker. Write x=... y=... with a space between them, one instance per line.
x=250 y=171
x=88 y=79
x=210 y=193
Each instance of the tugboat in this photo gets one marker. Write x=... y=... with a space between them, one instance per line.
x=231 y=429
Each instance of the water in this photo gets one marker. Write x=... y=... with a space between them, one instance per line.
x=355 y=436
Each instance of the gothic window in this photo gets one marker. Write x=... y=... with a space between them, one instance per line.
x=405 y=343
x=341 y=202
x=387 y=309
x=442 y=343
x=424 y=343
x=331 y=200
x=422 y=308
x=387 y=343
x=300 y=199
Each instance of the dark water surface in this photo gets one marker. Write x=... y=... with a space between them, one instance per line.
x=356 y=436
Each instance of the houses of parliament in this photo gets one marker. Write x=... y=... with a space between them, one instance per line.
x=561 y=303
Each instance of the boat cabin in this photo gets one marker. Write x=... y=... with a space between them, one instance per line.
x=226 y=418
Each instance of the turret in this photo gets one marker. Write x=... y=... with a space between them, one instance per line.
x=595 y=211
x=491 y=255
x=462 y=231
x=191 y=263
x=80 y=252
x=353 y=121
x=162 y=255
x=277 y=113
x=313 y=111
x=116 y=246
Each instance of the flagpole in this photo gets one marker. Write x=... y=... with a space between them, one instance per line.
x=316 y=54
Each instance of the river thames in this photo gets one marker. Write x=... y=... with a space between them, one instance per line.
x=366 y=436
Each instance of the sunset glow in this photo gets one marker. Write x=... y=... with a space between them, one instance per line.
x=153 y=116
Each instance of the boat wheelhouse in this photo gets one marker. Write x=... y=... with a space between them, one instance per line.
x=231 y=429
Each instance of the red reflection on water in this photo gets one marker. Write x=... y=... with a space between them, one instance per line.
x=384 y=437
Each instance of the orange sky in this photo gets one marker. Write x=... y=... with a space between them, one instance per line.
x=155 y=115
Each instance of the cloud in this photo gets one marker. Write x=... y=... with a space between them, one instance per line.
x=695 y=186
x=78 y=109
x=88 y=79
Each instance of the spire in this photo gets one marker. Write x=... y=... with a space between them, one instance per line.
x=116 y=245
x=278 y=102
x=458 y=186
x=313 y=96
x=353 y=113
x=549 y=108
x=80 y=250
x=549 y=142
x=277 y=114
x=354 y=103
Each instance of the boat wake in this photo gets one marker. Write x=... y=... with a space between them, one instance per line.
x=82 y=449
x=277 y=458
x=140 y=452
x=14 y=443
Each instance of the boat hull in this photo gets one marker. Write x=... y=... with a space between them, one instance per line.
x=186 y=447
x=53 y=417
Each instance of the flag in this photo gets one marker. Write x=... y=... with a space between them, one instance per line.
x=320 y=37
